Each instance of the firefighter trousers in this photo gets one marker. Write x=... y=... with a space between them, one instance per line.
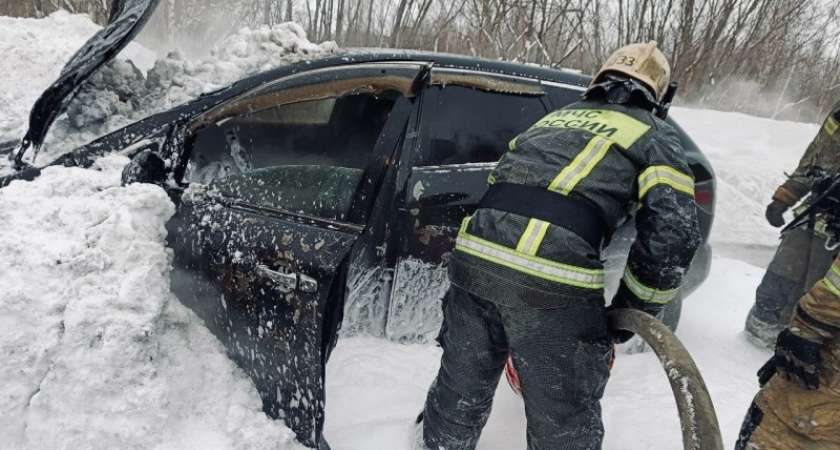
x=561 y=355
x=800 y=261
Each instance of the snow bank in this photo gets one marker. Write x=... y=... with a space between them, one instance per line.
x=34 y=52
x=94 y=350
x=134 y=85
x=120 y=94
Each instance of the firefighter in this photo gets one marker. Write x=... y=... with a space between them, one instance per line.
x=526 y=272
x=798 y=406
x=804 y=253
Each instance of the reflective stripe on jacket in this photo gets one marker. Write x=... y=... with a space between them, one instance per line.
x=618 y=159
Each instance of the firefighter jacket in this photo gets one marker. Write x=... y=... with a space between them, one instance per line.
x=823 y=151
x=610 y=161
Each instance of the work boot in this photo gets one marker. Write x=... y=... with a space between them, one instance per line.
x=760 y=333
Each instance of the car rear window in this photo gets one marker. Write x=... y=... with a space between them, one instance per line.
x=463 y=125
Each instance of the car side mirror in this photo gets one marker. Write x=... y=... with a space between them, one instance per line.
x=145 y=167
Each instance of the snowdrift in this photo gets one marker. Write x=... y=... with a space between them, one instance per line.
x=95 y=352
x=134 y=85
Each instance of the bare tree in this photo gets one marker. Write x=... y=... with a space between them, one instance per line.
x=772 y=57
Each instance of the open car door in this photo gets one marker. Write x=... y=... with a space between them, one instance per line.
x=127 y=18
x=283 y=181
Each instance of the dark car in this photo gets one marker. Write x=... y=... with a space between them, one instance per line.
x=327 y=194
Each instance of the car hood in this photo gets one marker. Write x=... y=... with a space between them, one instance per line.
x=126 y=20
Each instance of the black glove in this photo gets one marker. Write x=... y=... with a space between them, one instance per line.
x=766 y=372
x=798 y=359
x=774 y=213
x=624 y=298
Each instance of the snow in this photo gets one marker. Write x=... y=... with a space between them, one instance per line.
x=375 y=389
x=95 y=352
x=34 y=52
x=750 y=156
x=124 y=92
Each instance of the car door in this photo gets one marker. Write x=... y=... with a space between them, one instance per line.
x=281 y=184
x=127 y=18
x=467 y=120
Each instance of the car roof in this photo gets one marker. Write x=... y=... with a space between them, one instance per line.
x=442 y=60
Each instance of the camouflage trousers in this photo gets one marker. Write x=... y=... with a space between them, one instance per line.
x=785 y=416
x=561 y=355
x=800 y=261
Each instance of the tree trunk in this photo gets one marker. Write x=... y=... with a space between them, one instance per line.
x=395 y=31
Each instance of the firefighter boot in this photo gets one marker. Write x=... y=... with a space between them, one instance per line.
x=762 y=328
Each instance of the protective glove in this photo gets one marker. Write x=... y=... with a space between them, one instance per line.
x=766 y=372
x=798 y=359
x=624 y=298
x=774 y=213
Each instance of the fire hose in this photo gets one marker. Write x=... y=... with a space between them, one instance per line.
x=698 y=420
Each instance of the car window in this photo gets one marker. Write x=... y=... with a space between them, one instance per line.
x=281 y=156
x=321 y=191
x=334 y=131
x=467 y=125
x=563 y=95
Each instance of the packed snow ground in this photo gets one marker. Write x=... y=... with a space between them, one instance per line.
x=96 y=353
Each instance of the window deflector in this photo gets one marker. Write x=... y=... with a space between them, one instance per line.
x=500 y=83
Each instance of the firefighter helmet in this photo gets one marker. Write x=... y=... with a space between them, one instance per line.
x=643 y=62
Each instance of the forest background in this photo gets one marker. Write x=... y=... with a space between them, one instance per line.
x=772 y=58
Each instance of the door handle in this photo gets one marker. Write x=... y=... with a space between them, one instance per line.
x=307 y=283
x=288 y=282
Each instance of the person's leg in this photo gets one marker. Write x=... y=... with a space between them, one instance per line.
x=783 y=284
x=474 y=353
x=819 y=261
x=562 y=358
